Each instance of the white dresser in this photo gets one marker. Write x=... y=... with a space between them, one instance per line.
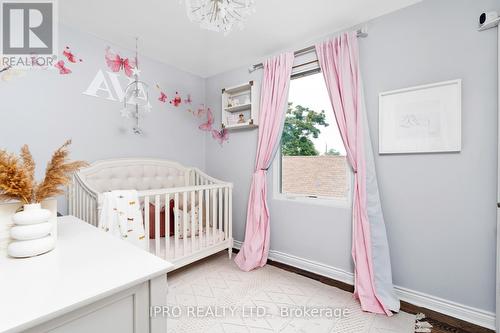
x=91 y=282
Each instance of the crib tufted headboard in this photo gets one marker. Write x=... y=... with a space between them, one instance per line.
x=133 y=173
x=152 y=178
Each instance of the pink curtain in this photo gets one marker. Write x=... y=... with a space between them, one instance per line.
x=338 y=60
x=274 y=95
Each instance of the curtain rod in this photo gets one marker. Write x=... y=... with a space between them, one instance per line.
x=360 y=33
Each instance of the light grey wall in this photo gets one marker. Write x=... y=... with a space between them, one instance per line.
x=43 y=109
x=439 y=208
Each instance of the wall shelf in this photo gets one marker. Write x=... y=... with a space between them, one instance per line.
x=237 y=108
x=240 y=106
x=240 y=126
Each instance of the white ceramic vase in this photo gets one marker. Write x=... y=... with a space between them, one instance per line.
x=31 y=232
x=31 y=214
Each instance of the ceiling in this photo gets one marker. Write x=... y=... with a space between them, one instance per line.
x=167 y=35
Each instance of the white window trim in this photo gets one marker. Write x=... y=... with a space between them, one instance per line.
x=302 y=198
x=305 y=199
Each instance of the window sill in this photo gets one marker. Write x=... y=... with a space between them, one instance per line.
x=336 y=203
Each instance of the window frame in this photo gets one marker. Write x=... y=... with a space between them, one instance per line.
x=308 y=199
x=303 y=198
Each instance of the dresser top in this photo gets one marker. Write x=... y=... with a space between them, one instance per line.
x=87 y=265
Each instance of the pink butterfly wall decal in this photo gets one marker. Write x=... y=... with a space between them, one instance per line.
x=207 y=126
x=10 y=72
x=200 y=112
x=163 y=97
x=188 y=100
x=70 y=56
x=177 y=100
x=220 y=136
x=117 y=63
x=62 y=68
x=7 y=72
x=34 y=61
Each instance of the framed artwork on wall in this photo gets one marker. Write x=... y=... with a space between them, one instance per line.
x=421 y=119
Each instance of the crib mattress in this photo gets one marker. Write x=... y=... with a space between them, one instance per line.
x=184 y=249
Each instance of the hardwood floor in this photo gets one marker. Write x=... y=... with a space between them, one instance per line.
x=439 y=327
x=441 y=323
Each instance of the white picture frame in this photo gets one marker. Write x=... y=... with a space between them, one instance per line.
x=421 y=119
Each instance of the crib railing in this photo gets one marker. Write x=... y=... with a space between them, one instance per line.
x=83 y=202
x=196 y=177
x=202 y=219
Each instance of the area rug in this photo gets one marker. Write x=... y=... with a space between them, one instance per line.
x=215 y=296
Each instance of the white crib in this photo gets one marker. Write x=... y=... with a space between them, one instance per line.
x=158 y=182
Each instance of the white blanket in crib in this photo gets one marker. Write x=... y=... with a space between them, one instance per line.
x=121 y=216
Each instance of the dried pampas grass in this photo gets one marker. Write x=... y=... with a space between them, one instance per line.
x=57 y=174
x=15 y=181
x=17 y=175
x=29 y=167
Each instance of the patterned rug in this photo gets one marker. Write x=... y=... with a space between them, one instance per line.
x=215 y=296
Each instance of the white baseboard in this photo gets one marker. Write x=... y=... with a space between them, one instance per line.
x=450 y=308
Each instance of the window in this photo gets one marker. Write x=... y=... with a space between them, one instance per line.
x=311 y=163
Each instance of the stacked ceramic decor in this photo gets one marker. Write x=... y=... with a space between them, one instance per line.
x=31 y=232
x=35 y=229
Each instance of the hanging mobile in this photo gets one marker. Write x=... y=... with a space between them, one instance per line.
x=131 y=96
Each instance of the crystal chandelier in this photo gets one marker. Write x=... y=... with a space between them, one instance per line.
x=219 y=15
x=136 y=97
